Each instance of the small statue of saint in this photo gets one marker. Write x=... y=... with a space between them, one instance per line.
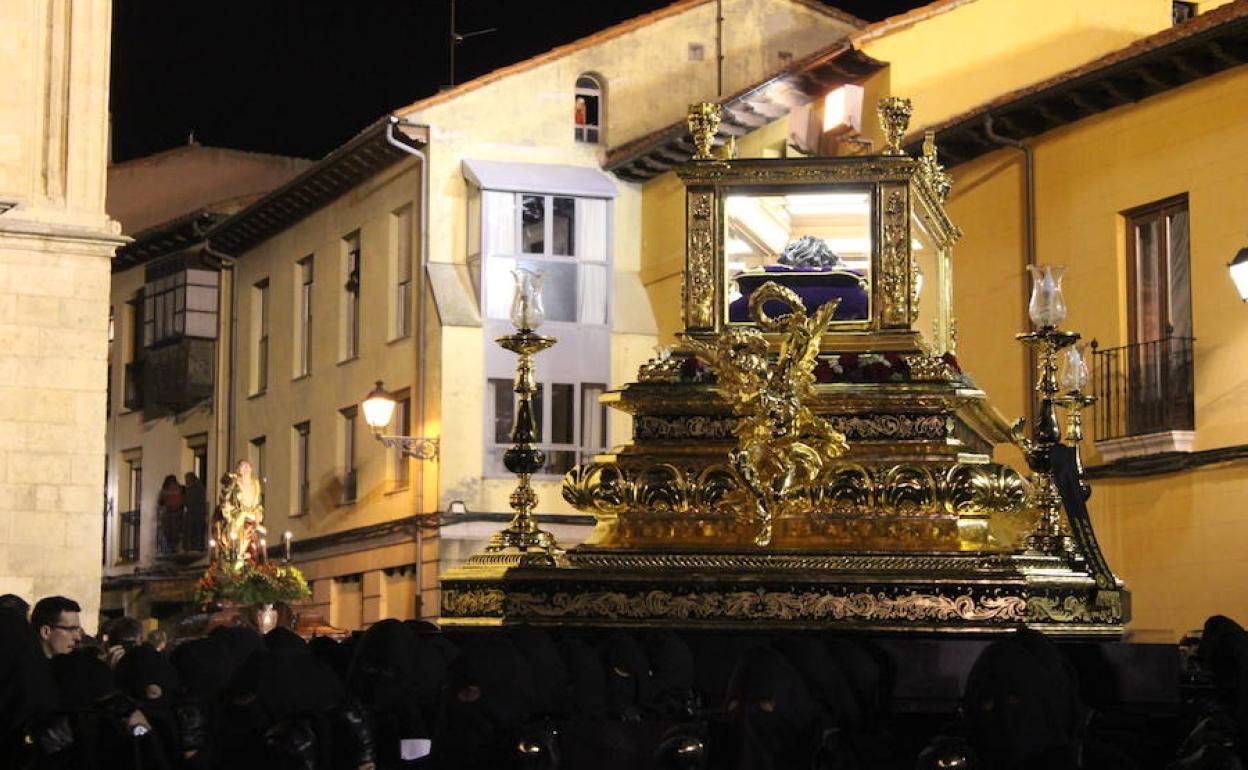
x=240 y=528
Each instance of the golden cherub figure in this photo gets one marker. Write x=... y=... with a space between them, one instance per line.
x=781 y=444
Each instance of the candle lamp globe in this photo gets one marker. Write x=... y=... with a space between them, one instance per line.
x=1047 y=307
x=527 y=311
x=1075 y=372
x=378 y=408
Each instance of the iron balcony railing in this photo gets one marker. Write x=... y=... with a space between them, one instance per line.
x=128 y=536
x=181 y=533
x=1143 y=388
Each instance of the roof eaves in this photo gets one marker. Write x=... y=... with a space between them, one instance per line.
x=670 y=142
x=366 y=154
x=1205 y=30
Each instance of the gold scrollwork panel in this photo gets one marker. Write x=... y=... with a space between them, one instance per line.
x=701 y=253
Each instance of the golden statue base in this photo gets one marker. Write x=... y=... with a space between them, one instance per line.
x=963 y=593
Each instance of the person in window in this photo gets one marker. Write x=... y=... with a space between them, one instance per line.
x=170 y=506
x=196 y=497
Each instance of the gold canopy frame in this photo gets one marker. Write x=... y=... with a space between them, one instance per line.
x=911 y=527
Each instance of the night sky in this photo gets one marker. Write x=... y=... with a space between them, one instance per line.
x=299 y=77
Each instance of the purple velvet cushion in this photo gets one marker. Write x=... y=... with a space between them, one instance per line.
x=814 y=286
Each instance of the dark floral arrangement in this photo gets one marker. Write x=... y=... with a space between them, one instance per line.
x=264 y=583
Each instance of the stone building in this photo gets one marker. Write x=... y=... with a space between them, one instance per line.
x=55 y=244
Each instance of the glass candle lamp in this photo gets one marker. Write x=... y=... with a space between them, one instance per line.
x=527 y=312
x=1047 y=308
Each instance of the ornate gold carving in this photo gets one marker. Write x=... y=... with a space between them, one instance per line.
x=842 y=489
x=765 y=605
x=928 y=368
x=894 y=113
x=479 y=602
x=781 y=443
x=703 y=123
x=917 y=564
x=700 y=265
x=931 y=173
x=876 y=169
x=894 y=265
x=660 y=369
x=1102 y=607
x=871 y=427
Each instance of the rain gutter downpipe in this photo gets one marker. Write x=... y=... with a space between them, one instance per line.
x=1029 y=240
x=227 y=262
x=421 y=368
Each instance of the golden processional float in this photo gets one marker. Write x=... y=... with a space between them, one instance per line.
x=810 y=454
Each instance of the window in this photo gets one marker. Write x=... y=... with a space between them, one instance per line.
x=134 y=481
x=180 y=299
x=301 y=449
x=1181 y=11
x=260 y=337
x=570 y=424
x=351 y=296
x=403 y=427
x=130 y=517
x=563 y=238
x=348 y=454
x=1146 y=386
x=197 y=456
x=588 y=109
x=402 y=220
x=256 y=456
x=132 y=385
x=303 y=361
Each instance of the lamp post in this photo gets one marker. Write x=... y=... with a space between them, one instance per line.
x=378 y=409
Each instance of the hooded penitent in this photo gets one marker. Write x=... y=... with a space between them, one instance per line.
x=671 y=668
x=490 y=697
x=153 y=683
x=777 y=723
x=550 y=673
x=628 y=677
x=1021 y=706
x=384 y=677
x=26 y=689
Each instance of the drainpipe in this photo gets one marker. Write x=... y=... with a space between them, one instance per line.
x=1029 y=242
x=227 y=262
x=419 y=339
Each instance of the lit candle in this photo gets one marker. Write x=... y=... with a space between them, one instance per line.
x=264 y=550
x=286 y=538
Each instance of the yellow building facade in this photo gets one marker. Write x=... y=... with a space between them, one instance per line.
x=1145 y=129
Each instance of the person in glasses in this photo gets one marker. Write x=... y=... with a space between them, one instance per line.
x=56 y=623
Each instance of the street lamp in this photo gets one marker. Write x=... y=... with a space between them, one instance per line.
x=378 y=409
x=1239 y=273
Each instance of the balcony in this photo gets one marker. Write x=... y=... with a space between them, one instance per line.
x=1145 y=398
x=176 y=376
x=128 y=537
x=181 y=534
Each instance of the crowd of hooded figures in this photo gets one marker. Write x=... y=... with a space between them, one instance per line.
x=403 y=694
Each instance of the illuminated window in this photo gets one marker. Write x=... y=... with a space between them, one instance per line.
x=588 y=109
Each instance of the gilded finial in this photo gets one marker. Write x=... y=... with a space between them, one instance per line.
x=894 y=113
x=703 y=125
x=729 y=150
x=937 y=178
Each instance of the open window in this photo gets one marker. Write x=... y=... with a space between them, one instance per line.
x=589 y=109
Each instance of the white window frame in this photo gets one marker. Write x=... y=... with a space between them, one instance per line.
x=581 y=132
